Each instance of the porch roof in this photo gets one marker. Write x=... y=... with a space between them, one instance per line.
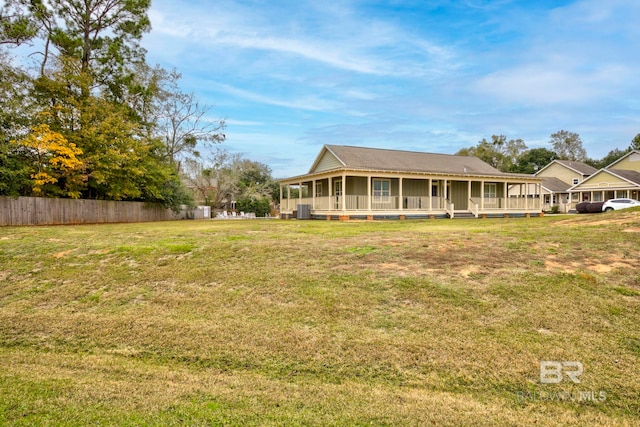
x=377 y=160
x=555 y=185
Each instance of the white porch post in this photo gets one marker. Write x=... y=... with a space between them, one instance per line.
x=299 y=194
x=506 y=190
x=369 y=193
x=469 y=194
x=429 y=195
x=482 y=196
x=526 y=205
x=331 y=202
x=539 y=189
x=444 y=191
x=313 y=196
x=400 y=207
x=344 y=192
x=280 y=195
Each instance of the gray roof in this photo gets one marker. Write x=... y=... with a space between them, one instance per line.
x=630 y=175
x=555 y=185
x=410 y=161
x=580 y=167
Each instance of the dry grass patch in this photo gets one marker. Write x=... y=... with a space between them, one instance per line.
x=318 y=323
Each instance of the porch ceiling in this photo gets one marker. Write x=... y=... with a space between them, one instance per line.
x=337 y=173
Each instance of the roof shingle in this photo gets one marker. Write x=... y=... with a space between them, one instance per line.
x=580 y=167
x=409 y=161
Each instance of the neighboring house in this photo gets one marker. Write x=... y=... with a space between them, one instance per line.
x=557 y=178
x=356 y=182
x=620 y=179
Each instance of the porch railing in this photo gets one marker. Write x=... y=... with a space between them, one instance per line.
x=474 y=208
x=416 y=203
x=410 y=203
x=380 y=203
x=356 y=203
x=523 y=203
x=449 y=208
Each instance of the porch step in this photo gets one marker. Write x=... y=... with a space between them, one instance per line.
x=463 y=215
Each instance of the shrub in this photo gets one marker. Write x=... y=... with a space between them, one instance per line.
x=595 y=207
x=582 y=207
x=256 y=204
x=555 y=209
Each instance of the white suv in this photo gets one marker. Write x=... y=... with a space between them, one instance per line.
x=615 y=204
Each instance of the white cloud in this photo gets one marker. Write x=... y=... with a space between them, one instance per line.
x=310 y=103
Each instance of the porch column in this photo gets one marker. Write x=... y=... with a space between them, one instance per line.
x=506 y=190
x=469 y=193
x=331 y=201
x=482 y=195
x=313 y=196
x=400 y=201
x=369 y=193
x=539 y=189
x=280 y=195
x=526 y=197
x=300 y=193
x=344 y=191
x=444 y=190
x=429 y=195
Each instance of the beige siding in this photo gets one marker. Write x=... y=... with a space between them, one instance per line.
x=601 y=179
x=327 y=162
x=415 y=187
x=630 y=163
x=476 y=189
x=556 y=170
x=356 y=185
x=395 y=187
x=460 y=194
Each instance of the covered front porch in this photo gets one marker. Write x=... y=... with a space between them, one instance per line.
x=387 y=195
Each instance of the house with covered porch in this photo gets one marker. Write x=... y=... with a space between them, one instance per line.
x=557 y=178
x=620 y=179
x=347 y=182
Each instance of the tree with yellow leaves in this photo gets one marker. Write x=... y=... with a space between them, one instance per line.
x=57 y=170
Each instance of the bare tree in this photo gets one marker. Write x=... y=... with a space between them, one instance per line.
x=216 y=183
x=182 y=122
x=568 y=146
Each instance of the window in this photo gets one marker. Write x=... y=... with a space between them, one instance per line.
x=576 y=181
x=490 y=191
x=381 y=189
x=318 y=189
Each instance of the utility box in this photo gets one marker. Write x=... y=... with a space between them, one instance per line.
x=304 y=212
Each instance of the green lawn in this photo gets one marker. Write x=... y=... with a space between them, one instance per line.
x=435 y=322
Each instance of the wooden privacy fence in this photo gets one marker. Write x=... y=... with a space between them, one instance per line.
x=49 y=211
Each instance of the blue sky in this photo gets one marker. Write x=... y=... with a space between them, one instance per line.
x=435 y=76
